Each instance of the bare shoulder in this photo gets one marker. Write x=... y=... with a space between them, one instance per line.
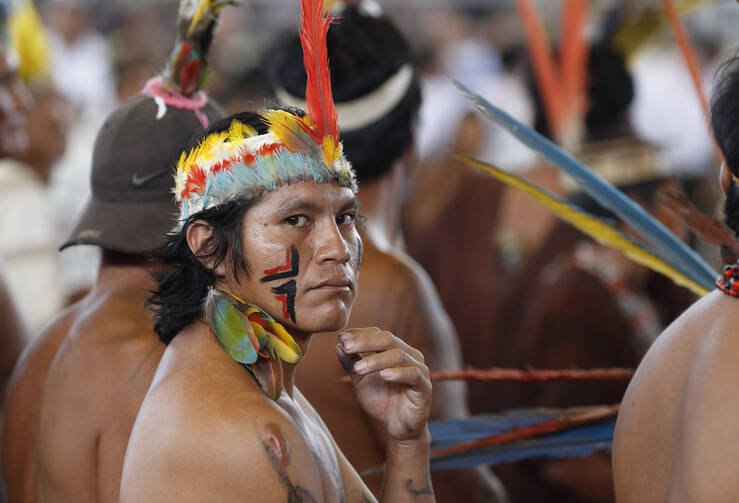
x=113 y=331
x=398 y=295
x=23 y=405
x=206 y=432
x=679 y=413
x=30 y=370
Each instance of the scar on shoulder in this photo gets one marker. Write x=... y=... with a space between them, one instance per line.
x=278 y=444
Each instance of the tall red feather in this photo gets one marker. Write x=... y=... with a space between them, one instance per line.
x=318 y=97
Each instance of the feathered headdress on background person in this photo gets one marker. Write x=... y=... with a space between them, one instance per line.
x=239 y=163
x=143 y=138
x=186 y=72
x=28 y=39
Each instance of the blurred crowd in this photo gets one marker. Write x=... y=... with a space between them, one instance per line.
x=513 y=253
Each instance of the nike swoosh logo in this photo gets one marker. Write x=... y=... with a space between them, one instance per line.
x=138 y=180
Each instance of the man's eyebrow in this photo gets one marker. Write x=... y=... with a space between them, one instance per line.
x=353 y=204
x=299 y=205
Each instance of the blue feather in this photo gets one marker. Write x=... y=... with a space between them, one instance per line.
x=579 y=441
x=670 y=247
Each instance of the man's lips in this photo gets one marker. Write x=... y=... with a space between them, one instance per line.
x=338 y=283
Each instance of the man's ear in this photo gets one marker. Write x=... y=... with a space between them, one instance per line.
x=201 y=239
x=724 y=178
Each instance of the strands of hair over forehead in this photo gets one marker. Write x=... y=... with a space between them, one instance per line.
x=725 y=121
x=364 y=51
x=178 y=299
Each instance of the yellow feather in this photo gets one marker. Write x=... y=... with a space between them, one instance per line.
x=287 y=129
x=593 y=227
x=203 y=7
x=29 y=41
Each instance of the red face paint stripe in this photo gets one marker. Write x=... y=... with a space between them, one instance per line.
x=283 y=298
x=288 y=265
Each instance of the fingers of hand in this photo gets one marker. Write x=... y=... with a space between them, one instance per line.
x=390 y=359
x=366 y=340
x=411 y=376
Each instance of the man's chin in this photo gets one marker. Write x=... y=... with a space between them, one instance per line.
x=324 y=320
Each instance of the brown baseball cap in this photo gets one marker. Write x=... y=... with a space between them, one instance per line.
x=132 y=206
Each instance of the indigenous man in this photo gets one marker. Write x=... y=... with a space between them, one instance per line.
x=677 y=434
x=268 y=243
x=378 y=96
x=76 y=391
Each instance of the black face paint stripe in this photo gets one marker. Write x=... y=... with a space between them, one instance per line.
x=293 y=264
x=286 y=293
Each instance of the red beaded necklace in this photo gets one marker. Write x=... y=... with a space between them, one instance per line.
x=728 y=282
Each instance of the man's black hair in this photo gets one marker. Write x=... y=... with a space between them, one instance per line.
x=363 y=51
x=725 y=122
x=178 y=299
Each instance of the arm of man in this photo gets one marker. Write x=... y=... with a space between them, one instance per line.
x=420 y=319
x=391 y=383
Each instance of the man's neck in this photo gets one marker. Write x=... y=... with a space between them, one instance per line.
x=381 y=204
x=134 y=275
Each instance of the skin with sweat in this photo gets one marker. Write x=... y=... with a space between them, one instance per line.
x=289 y=452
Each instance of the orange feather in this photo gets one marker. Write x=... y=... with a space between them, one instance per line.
x=318 y=97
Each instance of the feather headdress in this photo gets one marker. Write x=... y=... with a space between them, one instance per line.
x=186 y=73
x=241 y=163
x=186 y=70
x=28 y=39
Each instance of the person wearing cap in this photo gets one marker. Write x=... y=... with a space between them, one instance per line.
x=676 y=435
x=266 y=255
x=75 y=393
x=378 y=96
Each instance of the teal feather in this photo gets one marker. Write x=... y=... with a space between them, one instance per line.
x=230 y=327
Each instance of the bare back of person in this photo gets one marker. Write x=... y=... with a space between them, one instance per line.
x=94 y=387
x=23 y=407
x=205 y=413
x=677 y=431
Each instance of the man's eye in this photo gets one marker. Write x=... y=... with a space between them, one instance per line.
x=346 y=219
x=297 y=220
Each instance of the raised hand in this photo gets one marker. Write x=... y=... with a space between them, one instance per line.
x=390 y=380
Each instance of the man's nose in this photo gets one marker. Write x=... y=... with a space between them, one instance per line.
x=330 y=244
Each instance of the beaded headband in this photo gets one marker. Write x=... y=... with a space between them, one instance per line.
x=239 y=163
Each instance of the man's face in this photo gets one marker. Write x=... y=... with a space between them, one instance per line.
x=303 y=251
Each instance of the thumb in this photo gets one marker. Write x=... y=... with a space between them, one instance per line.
x=347 y=361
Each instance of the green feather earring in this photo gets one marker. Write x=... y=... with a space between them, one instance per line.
x=251 y=337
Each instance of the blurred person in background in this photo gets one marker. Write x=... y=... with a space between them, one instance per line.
x=81 y=57
x=82 y=70
x=580 y=304
x=378 y=97
x=75 y=393
x=676 y=433
x=14 y=104
x=28 y=246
